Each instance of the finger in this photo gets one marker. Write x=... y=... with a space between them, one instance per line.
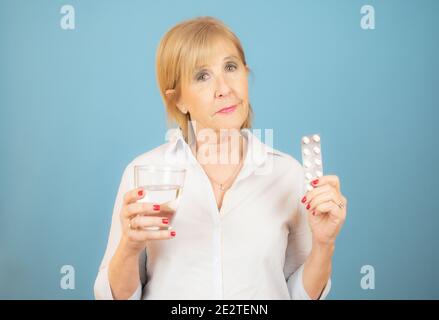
x=145 y=235
x=133 y=195
x=313 y=193
x=141 y=222
x=330 y=179
x=141 y=208
x=324 y=208
x=345 y=201
x=331 y=208
x=316 y=191
x=323 y=197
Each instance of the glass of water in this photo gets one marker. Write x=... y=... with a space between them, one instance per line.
x=162 y=184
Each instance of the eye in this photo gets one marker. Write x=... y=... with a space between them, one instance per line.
x=231 y=67
x=202 y=76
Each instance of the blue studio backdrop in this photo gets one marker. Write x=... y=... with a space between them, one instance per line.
x=79 y=100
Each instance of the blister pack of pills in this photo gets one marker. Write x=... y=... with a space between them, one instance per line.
x=311 y=159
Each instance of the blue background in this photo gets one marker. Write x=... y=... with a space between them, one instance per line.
x=76 y=106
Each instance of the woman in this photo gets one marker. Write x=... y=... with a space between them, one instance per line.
x=244 y=229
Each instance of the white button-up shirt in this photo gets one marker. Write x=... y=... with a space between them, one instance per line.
x=254 y=247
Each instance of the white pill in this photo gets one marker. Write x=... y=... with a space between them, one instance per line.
x=318 y=162
x=305 y=140
x=319 y=173
x=306 y=152
x=316 y=150
x=308 y=175
x=307 y=164
x=309 y=187
x=316 y=138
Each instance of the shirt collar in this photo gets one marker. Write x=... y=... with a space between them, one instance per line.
x=179 y=152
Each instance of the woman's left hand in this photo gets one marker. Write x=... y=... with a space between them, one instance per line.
x=327 y=209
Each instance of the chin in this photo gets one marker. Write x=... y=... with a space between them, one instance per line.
x=230 y=124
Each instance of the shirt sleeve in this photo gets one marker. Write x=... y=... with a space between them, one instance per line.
x=298 y=249
x=102 y=289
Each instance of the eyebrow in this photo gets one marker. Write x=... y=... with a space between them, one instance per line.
x=226 y=58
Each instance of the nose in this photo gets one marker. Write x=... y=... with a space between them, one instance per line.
x=223 y=89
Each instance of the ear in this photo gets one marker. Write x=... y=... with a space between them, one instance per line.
x=169 y=93
x=182 y=109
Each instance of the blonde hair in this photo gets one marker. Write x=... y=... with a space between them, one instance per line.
x=184 y=47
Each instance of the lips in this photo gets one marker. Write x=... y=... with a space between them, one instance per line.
x=228 y=109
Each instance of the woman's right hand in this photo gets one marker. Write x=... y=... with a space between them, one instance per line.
x=136 y=216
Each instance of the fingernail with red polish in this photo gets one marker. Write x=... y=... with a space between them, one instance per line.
x=304 y=199
x=308 y=206
x=314 y=182
x=140 y=193
x=173 y=233
x=156 y=207
x=165 y=221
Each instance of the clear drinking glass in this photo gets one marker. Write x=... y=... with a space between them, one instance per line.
x=162 y=184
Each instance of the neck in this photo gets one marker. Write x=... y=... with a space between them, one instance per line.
x=223 y=146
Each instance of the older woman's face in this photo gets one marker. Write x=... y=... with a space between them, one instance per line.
x=220 y=84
